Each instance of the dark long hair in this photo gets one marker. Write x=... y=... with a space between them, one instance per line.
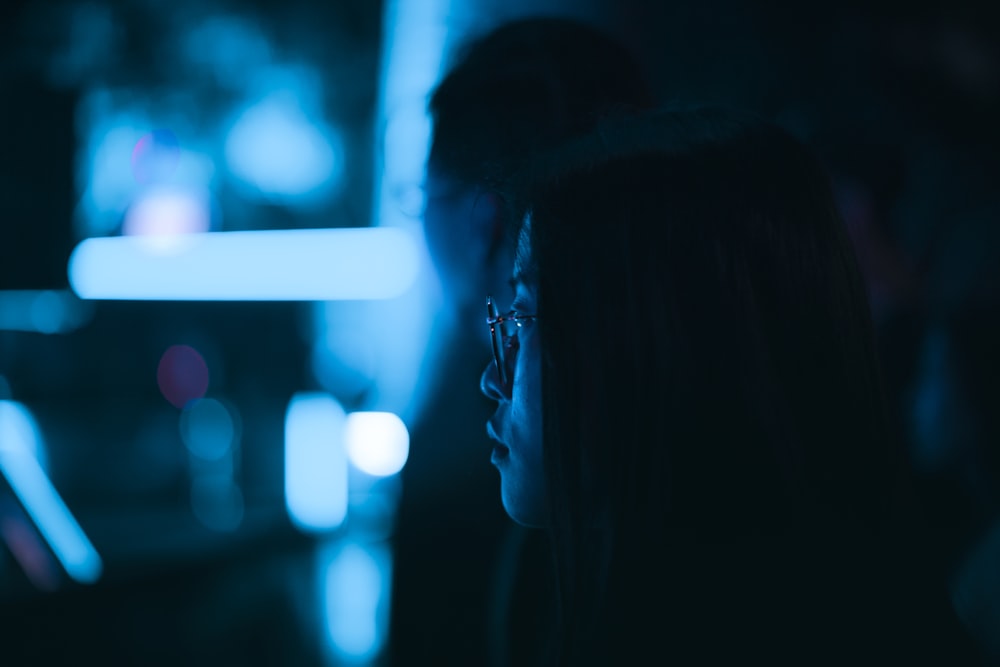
x=714 y=422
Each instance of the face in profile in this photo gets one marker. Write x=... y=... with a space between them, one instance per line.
x=516 y=426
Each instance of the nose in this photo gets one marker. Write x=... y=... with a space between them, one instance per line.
x=489 y=383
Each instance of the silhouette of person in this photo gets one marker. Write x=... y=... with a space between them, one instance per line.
x=467 y=580
x=689 y=404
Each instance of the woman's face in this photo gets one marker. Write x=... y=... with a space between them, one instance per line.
x=516 y=426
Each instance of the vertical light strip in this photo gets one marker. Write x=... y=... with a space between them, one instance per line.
x=414 y=35
x=315 y=462
x=19 y=438
x=355 y=580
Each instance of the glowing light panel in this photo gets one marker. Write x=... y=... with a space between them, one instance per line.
x=296 y=265
x=377 y=442
x=19 y=438
x=315 y=462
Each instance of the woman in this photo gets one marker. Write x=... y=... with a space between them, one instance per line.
x=689 y=403
x=521 y=87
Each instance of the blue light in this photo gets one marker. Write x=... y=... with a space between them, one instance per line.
x=229 y=47
x=42 y=311
x=282 y=153
x=163 y=213
x=207 y=429
x=116 y=133
x=377 y=442
x=48 y=312
x=19 y=439
x=414 y=37
x=105 y=164
x=155 y=157
x=296 y=265
x=315 y=462
x=356 y=591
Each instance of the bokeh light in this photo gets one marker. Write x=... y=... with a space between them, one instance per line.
x=118 y=157
x=208 y=429
x=47 y=312
x=282 y=153
x=228 y=47
x=42 y=311
x=20 y=445
x=155 y=157
x=27 y=549
x=356 y=591
x=344 y=360
x=163 y=215
x=182 y=375
x=19 y=430
x=377 y=442
x=103 y=172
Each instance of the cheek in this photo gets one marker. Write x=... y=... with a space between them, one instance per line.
x=525 y=484
x=526 y=399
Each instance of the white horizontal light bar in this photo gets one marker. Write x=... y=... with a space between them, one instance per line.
x=18 y=435
x=293 y=265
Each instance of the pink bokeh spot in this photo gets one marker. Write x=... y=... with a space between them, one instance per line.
x=182 y=375
x=29 y=552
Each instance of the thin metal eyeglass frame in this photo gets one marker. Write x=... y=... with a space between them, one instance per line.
x=500 y=339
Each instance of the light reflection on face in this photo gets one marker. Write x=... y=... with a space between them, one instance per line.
x=517 y=423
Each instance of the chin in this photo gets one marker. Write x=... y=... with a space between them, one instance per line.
x=524 y=513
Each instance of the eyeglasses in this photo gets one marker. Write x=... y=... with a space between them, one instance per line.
x=503 y=333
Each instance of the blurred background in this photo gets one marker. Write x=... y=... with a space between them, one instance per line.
x=202 y=438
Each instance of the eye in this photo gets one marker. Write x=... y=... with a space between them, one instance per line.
x=512 y=344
